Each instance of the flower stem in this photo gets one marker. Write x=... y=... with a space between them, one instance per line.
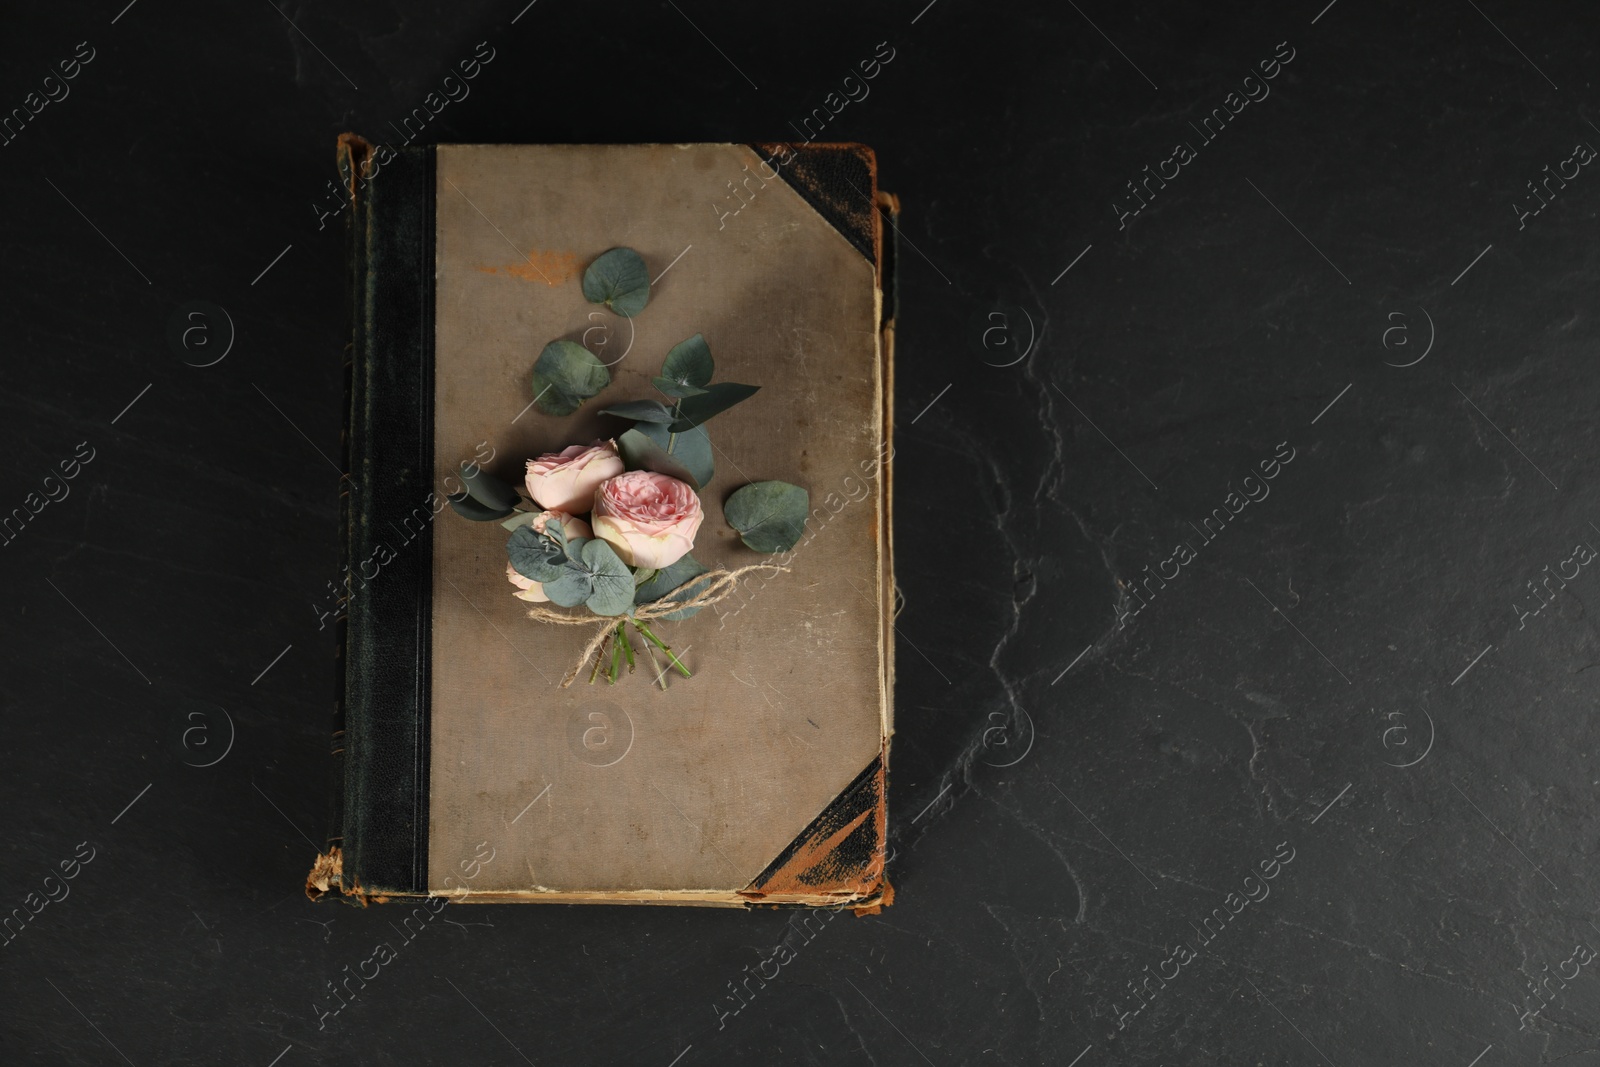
x=663 y=646
x=599 y=657
x=661 y=675
x=627 y=646
x=616 y=657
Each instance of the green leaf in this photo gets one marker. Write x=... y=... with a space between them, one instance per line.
x=690 y=448
x=641 y=453
x=687 y=591
x=488 y=490
x=694 y=410
x=689 y=362
x=676 y=389
x=619 y=280
x=467 y=507
x=675 y=582
x=566 y=375
x=613 y=581
x=667 y=579
x=770 y=516
x=574 y=548
x=535 y=556
x=521 y=519
x=641 y=411
x=573 y=587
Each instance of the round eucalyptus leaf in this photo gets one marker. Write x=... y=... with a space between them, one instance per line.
x=488 y=490
x=640 y=411
x=613 y=581
x=619 y=280
x=689 y=449
x=689 y=363
x=687 y=591
x=667 y=579
x=565 y=375
x=676 y=390
x=676 y=582
x=520 y=519
x=535 y=556
x=713 y=400
x=463 y=504
x=770 y=516
x=641 y=453
x=573 y=587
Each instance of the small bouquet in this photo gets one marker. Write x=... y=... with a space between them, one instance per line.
x=607 y=528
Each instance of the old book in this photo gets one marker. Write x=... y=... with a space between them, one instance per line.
x=462 y=771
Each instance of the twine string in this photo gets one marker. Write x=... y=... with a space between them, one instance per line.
x=714 y=586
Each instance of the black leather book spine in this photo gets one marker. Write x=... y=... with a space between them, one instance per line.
x=389 y=443
x=350 y=159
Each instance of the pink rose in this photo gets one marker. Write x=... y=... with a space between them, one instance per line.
x=649 y=518
x=527 y=588
x=566 y=480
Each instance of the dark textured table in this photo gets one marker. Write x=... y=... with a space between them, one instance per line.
x=1244 y=471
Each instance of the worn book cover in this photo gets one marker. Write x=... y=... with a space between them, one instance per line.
x=462 y=769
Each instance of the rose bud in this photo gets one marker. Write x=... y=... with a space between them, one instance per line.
x=527 y=588
x=566 y=480
x=649 y=518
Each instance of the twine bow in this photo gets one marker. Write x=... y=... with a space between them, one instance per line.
x=714 y=586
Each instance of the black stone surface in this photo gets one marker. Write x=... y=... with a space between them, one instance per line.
x=1349 y=674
